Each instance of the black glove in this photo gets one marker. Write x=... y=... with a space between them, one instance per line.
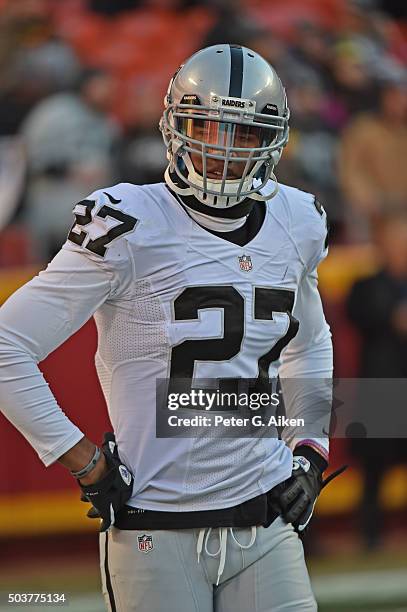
x=295 y=498
x=110 y=493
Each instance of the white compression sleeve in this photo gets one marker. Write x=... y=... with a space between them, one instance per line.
x=306 y=370
x=34 y=321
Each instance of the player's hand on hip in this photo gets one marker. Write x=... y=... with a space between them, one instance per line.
x=110 y=487
x=295 y=498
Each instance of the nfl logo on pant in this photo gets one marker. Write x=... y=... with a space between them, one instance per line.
x=145 y=543
x=245 y=263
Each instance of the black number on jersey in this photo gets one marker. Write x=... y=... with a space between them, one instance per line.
x=81 y=220
x=187 y=306
x=267 y=301
x=193 y=299
x=99 y=245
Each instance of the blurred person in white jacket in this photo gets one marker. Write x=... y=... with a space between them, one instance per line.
x=69 y=140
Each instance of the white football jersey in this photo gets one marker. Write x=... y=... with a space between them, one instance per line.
x=172 y=300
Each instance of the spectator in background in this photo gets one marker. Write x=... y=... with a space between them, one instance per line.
x=361 y=54
x=372 y=159
x=142 y=158
x=377 y=306
x=366 y=28
x=310 y=157
x=34 y=63
x=351 y=84
x=311 y=52
x=70 y=142
x=233 y=24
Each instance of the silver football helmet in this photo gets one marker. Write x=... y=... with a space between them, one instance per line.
x=225 y=124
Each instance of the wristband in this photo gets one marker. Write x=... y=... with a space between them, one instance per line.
x=88 y=468
x=312 y=455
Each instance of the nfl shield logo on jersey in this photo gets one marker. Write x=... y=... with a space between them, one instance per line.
x=145 y=543
x=245 y=263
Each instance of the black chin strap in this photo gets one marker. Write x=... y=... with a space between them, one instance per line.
x=238 y=211
x=241 y=236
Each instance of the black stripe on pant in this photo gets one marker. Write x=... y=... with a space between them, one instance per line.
x=107 y=574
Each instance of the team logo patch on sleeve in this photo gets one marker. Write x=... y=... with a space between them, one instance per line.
x=301 y=462
x=245 y=263
x=125 y=474
x=145 y=543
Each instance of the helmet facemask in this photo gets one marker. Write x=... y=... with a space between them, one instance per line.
x=225 y=152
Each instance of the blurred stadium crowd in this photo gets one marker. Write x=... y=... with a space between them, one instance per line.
x=82 y=84
x=81 y=90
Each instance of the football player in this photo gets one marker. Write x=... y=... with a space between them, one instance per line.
x=208 y=275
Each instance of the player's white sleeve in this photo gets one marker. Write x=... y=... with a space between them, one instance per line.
x=34 y=321
x=307 y=362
